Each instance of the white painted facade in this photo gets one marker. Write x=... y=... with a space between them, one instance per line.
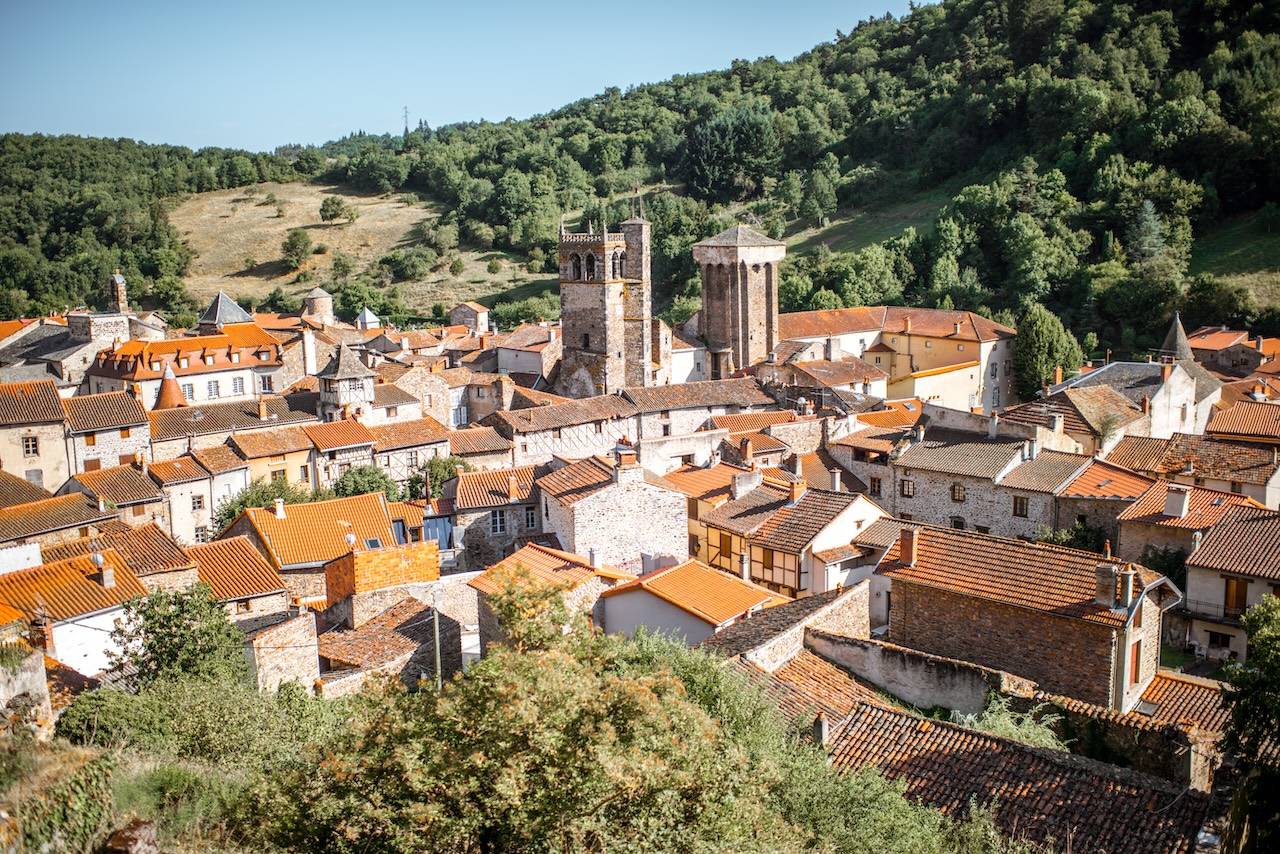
x=626 y=612
x=83 y=643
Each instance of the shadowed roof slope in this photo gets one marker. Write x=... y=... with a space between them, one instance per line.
x=119 y=485
x=224 y=310
x=34 y=402
x=1248 y=418
x=744 y=636
x=1246 y=541
x=146 y=550
x=50 y=514
x=17 y=490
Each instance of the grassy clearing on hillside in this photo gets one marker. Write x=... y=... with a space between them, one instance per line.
x=1241 y=250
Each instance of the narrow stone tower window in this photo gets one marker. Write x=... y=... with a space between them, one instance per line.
x=591 y=268
x=576 y=268
x=586 y=341
x=622 y=264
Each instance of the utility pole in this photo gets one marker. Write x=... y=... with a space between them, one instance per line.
x=435 y=624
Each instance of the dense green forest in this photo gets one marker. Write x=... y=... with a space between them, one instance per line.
x=1087 y=144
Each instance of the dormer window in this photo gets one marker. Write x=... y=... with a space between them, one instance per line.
x=208 y=360
x=155 y=366
x=184 y=362
x=235 y=358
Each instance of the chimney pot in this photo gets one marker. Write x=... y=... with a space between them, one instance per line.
x=908 y=539
x=279 y=508
x=262 y=409
x=1057 y=375
x=744 y=566
x=40 y=633
x=836 y=481
x=1105 y=584
x=744 y=448
x=1126 y=587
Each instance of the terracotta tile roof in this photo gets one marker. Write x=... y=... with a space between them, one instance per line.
x=271 y=443
x=184 y=469
x=584 y=411
x=235 y=569
x=105 y=411
x=751 y=422
x=1246 y=541
x=1255 y=388
x=744 y=636
x=119 y=485
x=409 y=434
x=1038 y=795
x=219 y=459
x=1219 y=458
x=17 y=490
x=315 y=533
x=1247 y=419
x=578 y=480
x=847 y=371
x=523 y=398
x=137 y=359
x=50 y=514
x=825 y=322
x=1106 y=480
x=548 y=565
x=897 y=413
x=742 y=391
x=840 y=553
x=1089 y=410
x=1215 y=338
x=65 y=683
x=816 y=468
x=333 y=435
x=706 y=483
x=807 y=684
x=879 y=440
x=385 y=395
x=1048 y=471
x=234 y=415
x=478 y=440
x=1138 y=453
x=793 y=527
x=1205 y=508
x=761 y=443
x=473 y=490
x=1182 y=699
x=1036 y=576
x=882 y=533
x=146 y=550
x=960 y=453
x=892 y=320
x=70 y=588
x=33 y=402
x=745 y=515
x=712 y=596
x=395 y=633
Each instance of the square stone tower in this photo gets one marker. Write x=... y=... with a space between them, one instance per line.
x=739 y=317
x=606 y=305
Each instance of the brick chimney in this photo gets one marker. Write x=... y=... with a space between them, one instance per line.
x=279 y=508
x=1146 y=405
x=1104 y=584
x=40 y=634
x=908 y=539
x=513 y=488
x=1177 y=500
x=797 y=490
x=1057 y=375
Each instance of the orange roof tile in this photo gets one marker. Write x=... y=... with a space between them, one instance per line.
x=17 y=490
x=137 y=359
x=1205 y=507
x=119 y=485
x=578 y=480
x=1139 y=453
x=751 y=422
x=710 y=595
x=219 y=459
x=146 y=550
x=33 y=402
x=409 y=434
x=396 y=632
x=1179 y=698
x=929 y=322
x=184 y=469
x=332 y=435
x=478 y=440
x=50 y=514
x=1247 y=419
x=234 y=569
x=808 y=683
x=70 y=588
x=1106 y=480
x=65 y=683
x=478 y=489
x=548 y=565
x=8 y=327
x=1215 y=338
x=105 y=411
x=705 y=484
x=898 y=413
x=315 y=533
x=271 y=443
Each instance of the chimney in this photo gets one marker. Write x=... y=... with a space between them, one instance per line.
x=513 y=488
x=1257 y=342
x=836 y=482
x=957 y=325
x=744 y=566
x=821 y=729
x=745 y=482
x=102 y=505
x=1057 y=375
x=458 y=470
x=593 y=558
x=140 y=462
x=1126 y=586
x=1166 y=371
x=106 y=574
x=279 y=508
x=1106 y=548
x=40 y=634
x=1104 y=584
x=262 y=409
x=795 y=464
x=1056 y=422
x=906 y=325
x=907 y=541
x=1146 y=405
x=993 y=426
x=1275 y=455
x=1177 y=500
x=917 y=433
x=797 y=488
x=744 y=450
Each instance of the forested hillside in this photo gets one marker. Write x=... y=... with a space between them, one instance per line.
x=1084 y=146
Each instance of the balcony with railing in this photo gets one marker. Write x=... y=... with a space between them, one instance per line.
x=1214 y=610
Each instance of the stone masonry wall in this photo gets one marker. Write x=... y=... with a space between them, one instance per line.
x=985 y=504
x=847 y=615
x=624 y=520
x=1063 y=655
x=285 y=652
x=483 y=547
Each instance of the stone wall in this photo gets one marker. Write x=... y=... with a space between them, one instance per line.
x=1063 y=655
x=803 y=437
x=376 y=569
x=593 y=359
x=251 y=613
x=847 y=615
x=575 y=442
x=179 y=579
x=285 y=652
x=25 y=686
x=483 y=547
x=109 y=448
x=986 y=505
x=624 y=520
x=667 y=453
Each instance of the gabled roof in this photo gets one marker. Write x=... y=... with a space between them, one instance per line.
x=548 y=565
x=793 y=527
x=1035 y=576
x=119 y=485
x=346 y=365
x=739 y=235
x=1108 y=481
x=271 y=443
x=848 y=370
x=1088 y=410
x=146 y=550
x=386 y=394
x=234 y=569
x=960 y=453
x=1206 y=507
x=576 y=481
x=742 y=637
x=315 y=533
x=745 y=515
x=474 y=490
x=50 y=514
x=1247 y=419
x=807 y=684
x=1214 y=338
x=1036 y=794
x=1048 y=471
x=1246 y=541
x=1184 y=699
x=106 y=411
x=712 y=596
x=409 y=434
x=741 y=391
x=1139 y=453
x=584 y=411
x=1138 y=380
x=752 y=421
x=219 y=459
x=335 y=435
x=892 y=320
x=183 y=469
x=233 y=415
x=71 y=588
x=34 y=402
x=17 y=490
x=224 y=310
x=1209 y=456
x=705 y=483
x=478 y=440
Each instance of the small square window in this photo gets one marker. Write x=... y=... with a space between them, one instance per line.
x=197 y=502
x=202 y=534
x=125 y=432
x=278 y=474
x=243 y=606
x=393 y=411
x=139 y=510
x=873 y=487
x=30 y=446
x=188 y=391
x=957 y=492
x=90 y=440
x=213 y=388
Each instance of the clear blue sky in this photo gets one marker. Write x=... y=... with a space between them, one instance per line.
x=259 y=74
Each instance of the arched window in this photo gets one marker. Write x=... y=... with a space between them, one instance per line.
x=575 y=264
x=615 y=264
x=622 y=264
x=591 y=267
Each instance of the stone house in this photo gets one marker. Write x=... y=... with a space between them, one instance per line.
x=280 y=454
x=494 y=512
x=1176 y=395
x=677 y=410
x=485 y=394
x=149 y=553
x=402 y=450
x=392 y=404
x=240 y=577
x=844 y=372
x=1097 y=496
x=283 y=652
x=482 y=448
x=1172 y=516
x=126 y=490
x=300 y=539
x=337 y=447
x=579 y=428
x=1235 y=566
x=688 y=602
x=399 y=641
x=187 y=490
x=1096 y=417
x=1246 y=356
x=472 y=315
x=54 y=520
x=105 y=430
x=1078 y=624
x=33 y=441
x=616 y=510
x=705 y=488
x=532 y=350
x=1250 y=469
x=583 y=580
x=427 y=387
x=688 y=358
x=361 y=584
x=1209 y=346
x=228 y=473
x=179 y=430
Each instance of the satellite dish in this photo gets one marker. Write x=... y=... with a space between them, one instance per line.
x=351 y=539
x=97 y=559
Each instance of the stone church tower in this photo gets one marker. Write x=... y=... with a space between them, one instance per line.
x=606 y=307
x=739 y=316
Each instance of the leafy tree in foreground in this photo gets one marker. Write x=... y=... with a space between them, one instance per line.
x=1042 y=345
x=180 y=633
x=364 y=479
x=296 y=247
